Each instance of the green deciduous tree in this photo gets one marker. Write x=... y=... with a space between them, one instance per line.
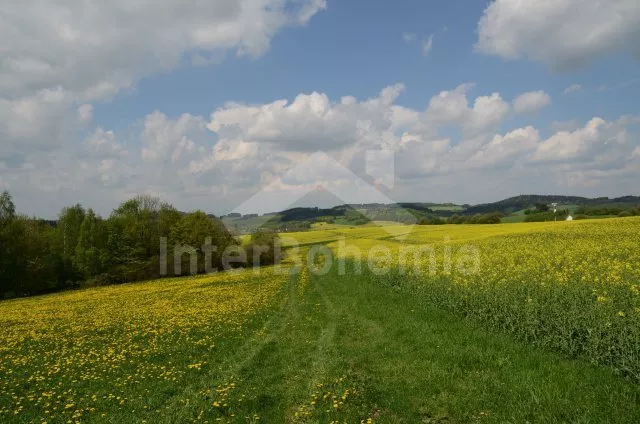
x=91 y=256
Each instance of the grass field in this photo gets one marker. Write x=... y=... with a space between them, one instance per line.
x=546 y=329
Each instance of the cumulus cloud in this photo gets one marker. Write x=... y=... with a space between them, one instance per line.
x=504 y=150
x=455 y=145
x=164 y=139
x=598 y=139
x=103 y=145
x=57 y=57
x=531 y=102
x=452 y=107
x=308 y=123
x=564 y=34
x=41 y=121
x=85 y=113
x=94 y=49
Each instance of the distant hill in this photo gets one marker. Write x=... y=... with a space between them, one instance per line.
x=300 y=218
x=514 y=204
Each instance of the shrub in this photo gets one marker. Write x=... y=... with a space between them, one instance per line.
x=263 y=248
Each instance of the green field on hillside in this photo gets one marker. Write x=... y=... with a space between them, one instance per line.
x=381 y=323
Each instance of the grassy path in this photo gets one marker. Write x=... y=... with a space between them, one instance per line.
x=346 y=348
x=237 y=360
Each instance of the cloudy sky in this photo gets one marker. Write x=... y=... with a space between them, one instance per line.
x=207 y=104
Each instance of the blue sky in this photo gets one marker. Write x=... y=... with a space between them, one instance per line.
x=357 y=47
x=134 y=76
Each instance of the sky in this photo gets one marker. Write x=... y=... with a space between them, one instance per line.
x=248 y=105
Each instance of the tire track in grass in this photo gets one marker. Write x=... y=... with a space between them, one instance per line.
x=325 y=347
x=282 y=375
x=273 y=328
x=331 y=373
x=230 y=368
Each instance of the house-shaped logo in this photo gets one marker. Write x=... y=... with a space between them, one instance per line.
x=321 y=171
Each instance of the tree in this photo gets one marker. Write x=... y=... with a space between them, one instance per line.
x=41 y=257
x=263 y=248
x=11 y=238
x=68 y=230
x=7 y=208
x=29 y=256
x=133 y=239
x=197 y=230
x=90 y=250
x=491 y=218
x=168 y=217
x=542 y=207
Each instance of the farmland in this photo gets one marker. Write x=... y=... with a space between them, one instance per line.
x=535 y=322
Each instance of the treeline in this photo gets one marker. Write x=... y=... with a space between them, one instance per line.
x=514 y=204
x=301 y=218
x=559 y=215
x=609 y=211
x=542 y=212
x=488 y=218
x=83 y=248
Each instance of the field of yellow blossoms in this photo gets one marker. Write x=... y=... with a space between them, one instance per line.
x=573 y=287
x=121 y=350
x=383 y=341
x=172 y=350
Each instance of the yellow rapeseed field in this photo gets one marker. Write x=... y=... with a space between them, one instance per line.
x=164 y=348
x=571 y=286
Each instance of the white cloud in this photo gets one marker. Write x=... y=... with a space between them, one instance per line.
x=310 y=122
x=452 y=148
x=103 y=144
x=36 y=122
x=452 y=107
x=164 y=139
x=427 y=45
x=531 y=102
x=94 y=49
x=85 y=113
x=598 y=139
x=503 y=150
x=488 y=112
x=573 y=88
x=564 y=34
x=57 y=57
